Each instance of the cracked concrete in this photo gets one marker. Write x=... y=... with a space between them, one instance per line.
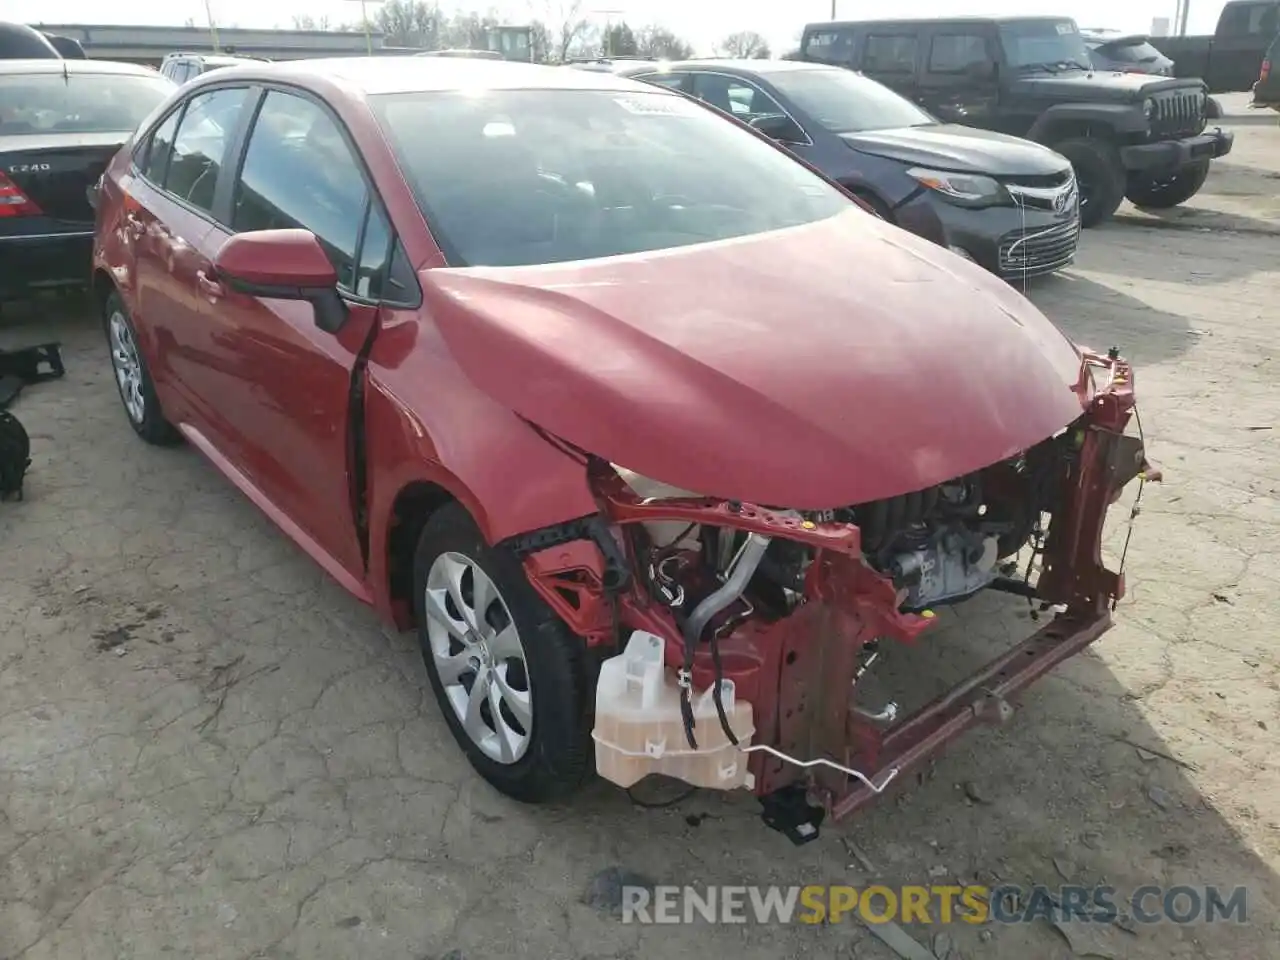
x=207 y=749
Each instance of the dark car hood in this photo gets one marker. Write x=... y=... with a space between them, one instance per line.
x=835 y=363
x=1100 y=85
x=966 y=149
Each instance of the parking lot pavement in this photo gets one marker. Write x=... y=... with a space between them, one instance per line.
x=208 y=750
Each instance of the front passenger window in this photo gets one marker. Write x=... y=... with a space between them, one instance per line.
x=299 y=173
x=200 y=147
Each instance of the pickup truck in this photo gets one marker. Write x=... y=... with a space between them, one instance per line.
x=1228 y=61
x=1127 y=135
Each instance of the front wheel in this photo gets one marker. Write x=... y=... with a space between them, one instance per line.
x=1165 y=192
x=1100 y=177
x=508 y=675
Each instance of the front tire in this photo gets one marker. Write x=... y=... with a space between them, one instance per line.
x=133 y=379
x=508 y=675
x=1154 y=194
x=1099 y=174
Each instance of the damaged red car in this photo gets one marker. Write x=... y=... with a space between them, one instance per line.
x=655 y=436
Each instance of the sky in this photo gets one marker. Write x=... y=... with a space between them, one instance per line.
x=702 y=22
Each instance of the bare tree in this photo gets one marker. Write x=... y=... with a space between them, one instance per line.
x=568 y=26
x=410 y=23
x=744 y=45
x=659 y=42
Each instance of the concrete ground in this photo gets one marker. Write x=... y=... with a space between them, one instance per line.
x=208 y=750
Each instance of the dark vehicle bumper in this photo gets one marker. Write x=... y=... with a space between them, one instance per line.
x=1266 y=95
x=39 y=260
x=1011 y=243
x=1170 y=155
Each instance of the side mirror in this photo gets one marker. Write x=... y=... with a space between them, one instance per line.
x=283 y=265
x=778 y=126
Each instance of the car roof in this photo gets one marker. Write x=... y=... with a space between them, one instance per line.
x=744 y=67
x=102 y=67
x=923 y=21
x=378 y=75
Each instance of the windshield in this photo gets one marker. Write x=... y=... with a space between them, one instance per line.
x=846 y=102
x=1044 y=45
x=520 y=177
x=79 y=103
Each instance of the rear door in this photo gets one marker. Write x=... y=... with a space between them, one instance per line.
x=180 y=179
x=958 y=79
x=892 y=54
x=1244 y=32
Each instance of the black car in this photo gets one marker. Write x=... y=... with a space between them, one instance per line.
x=61 y=121
x=1125 y=53
x=1266 y=91
x=1127 y=135
x=1008 y=204
x=1228 y=59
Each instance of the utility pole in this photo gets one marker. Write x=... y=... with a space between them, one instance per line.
x=364 y=24
x=213 y=27
x=833 y=9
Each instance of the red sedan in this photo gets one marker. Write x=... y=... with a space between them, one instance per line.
x=576 y=378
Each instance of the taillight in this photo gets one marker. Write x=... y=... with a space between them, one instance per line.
x=15 y=203
x=1265 y=72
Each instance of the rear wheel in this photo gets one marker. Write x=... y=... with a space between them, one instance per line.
x=509 y=677
x=1165 y=192
x=133 y=380
x=1100 y=176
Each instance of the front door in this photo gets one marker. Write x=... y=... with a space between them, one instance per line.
x=891 y=56
x=958 y=79
x=282 y=384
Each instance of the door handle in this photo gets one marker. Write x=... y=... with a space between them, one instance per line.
x=209 y=287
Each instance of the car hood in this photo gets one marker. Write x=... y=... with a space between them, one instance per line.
x=957 y=148
x=1100 y=85
x=813 y=367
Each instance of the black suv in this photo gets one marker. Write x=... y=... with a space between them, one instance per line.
x=1127 y=135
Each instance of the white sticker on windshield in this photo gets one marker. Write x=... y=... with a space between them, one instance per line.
x=654 y=104
x=1065 y=28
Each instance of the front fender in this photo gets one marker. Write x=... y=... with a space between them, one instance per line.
x=1121 y=118
x=426 y=422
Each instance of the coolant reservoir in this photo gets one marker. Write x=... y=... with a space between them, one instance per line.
x=639 y=730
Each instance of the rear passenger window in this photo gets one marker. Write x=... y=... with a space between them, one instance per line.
x=956 y=53
x=890 y=53
x=200 y=147
x=155 y=156
x=299 y=172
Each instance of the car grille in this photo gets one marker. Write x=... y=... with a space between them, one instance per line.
x=1178 y=113
x=1037 y=250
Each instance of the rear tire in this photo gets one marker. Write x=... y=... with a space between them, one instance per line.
x=1099 y=174
x=1154 y=194
x=133 y=379
x=530 y=735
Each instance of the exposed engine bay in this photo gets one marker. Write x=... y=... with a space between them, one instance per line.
x=771 y=616
x=940 y=545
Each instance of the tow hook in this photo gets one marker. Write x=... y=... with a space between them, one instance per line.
x=993 y=709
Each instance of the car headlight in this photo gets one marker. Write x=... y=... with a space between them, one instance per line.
x=964 y=189
x=1149 y=108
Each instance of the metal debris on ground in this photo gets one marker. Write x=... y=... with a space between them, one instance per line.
x=898 y=940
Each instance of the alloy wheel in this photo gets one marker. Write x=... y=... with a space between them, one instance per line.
x=127 y=366
x=479 y=658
